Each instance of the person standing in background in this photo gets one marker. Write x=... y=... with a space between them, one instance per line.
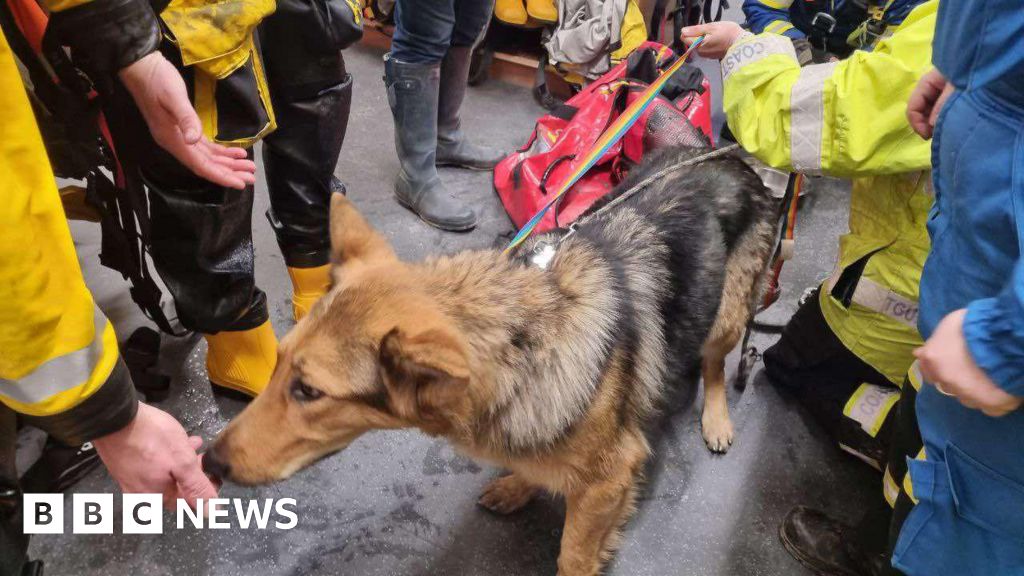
x=426 y=75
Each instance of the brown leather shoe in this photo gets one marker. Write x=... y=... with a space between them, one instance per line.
x=827 y=546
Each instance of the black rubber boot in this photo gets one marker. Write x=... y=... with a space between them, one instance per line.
x=412 y=94
x=828 y=546
x=453 y=147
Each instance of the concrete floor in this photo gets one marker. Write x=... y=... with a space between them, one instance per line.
x=400 y=503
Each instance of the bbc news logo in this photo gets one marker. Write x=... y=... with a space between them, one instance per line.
x=144 y=514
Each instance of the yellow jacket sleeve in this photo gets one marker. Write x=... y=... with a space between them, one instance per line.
x=59 y=361
x=845 y=118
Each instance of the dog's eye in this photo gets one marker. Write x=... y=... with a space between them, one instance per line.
x=304 y=392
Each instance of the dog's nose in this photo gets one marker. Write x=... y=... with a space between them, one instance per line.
x=214 y=465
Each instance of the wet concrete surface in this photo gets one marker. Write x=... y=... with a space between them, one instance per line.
x=401 y=503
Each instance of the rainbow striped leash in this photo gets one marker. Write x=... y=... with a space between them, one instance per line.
x=608 y=139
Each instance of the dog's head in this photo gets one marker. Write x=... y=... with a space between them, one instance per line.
x=374 y=353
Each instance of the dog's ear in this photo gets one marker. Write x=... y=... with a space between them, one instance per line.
x=352 y=237
x=425 y=373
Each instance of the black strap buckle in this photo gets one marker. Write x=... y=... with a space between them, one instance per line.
x=823 y=23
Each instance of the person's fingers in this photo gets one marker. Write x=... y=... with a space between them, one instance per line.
x=995 y=412
x=922 y=103
x=226 y=151
x=237 y=166
x=199 y=160
x=232 y=152
x=170 y=498
x=191 y=482
x=222 y=156
x=933 y=118
x=195 y=442
x=691 y=33
x=919 y=108
x=969 y=403
x=228 y=174
x=241 y=167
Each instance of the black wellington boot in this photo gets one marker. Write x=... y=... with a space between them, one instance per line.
x=828 y=546
x=453 y=147
x=412 y=94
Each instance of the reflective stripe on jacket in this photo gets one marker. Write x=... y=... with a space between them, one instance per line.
x=59 y=362
x=848 y=119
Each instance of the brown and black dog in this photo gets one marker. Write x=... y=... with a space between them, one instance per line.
x=554 y=373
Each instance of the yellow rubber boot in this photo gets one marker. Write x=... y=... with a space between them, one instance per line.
x=543 y=10
x=510 y=12
x=308 y=285
x=242 y=361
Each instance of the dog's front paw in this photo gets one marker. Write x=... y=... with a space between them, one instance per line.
x=507 y=494
x=717 y=432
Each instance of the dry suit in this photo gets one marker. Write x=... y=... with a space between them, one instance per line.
x=260 y=70
x=202 y=239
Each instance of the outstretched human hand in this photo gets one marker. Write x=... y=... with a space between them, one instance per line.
x=160 y=93
x=720 y=36
x=947 y=364
x=153 y=454
x=926 y=102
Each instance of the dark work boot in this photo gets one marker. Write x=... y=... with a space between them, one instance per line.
x=828 y=546
x=412 y=94
x=453 y=147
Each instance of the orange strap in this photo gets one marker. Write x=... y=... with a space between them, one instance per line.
x=31 y=20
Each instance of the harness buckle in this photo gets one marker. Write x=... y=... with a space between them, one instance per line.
x=823 y=23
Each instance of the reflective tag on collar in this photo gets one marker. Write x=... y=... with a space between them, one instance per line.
x=543 y=254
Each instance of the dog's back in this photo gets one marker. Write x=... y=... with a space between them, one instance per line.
x=670 y=247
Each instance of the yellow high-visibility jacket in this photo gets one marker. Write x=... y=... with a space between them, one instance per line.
x=848 y=119
x=59 y=362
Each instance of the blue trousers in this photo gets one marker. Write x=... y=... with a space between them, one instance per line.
x=425 y=29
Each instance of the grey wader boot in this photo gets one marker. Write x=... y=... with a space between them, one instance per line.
x=453 y=147
x=412 y=94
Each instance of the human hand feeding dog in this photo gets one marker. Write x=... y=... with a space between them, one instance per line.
x=555 y=374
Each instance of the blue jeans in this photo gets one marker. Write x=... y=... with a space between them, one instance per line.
x=425 y=29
